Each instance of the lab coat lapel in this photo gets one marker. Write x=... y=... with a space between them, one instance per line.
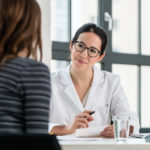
x=96 y=87
x=70 y=90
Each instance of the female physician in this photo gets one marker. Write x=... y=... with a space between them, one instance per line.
x=82 y=88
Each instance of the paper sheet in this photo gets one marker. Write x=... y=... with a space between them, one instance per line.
x=74 y=138
x=90 y=132
x=84 y=134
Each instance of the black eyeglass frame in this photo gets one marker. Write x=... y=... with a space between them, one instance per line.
x=99 y=51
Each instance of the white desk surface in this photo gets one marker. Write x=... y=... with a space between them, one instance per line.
x=105 y=144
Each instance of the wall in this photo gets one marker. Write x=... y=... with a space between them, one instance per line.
x=46 y=23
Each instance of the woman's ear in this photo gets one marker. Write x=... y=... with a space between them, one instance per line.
x=70 y=46
x=101 y=57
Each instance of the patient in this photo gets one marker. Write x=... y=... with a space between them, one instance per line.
x=24 y=81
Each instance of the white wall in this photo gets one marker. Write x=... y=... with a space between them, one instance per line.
x=46 y=23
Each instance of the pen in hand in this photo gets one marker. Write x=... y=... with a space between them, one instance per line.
x=89 y=118
x=91 y=113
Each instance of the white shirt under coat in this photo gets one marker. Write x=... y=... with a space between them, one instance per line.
x=106 y=96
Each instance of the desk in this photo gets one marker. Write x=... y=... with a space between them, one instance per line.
x=105 y=144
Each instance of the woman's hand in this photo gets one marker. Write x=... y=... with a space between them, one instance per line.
x=80 y=121
x=108 y=132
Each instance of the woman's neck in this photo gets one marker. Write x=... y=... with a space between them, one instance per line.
x=82 y=81
x=23 y=53
x=81 y=76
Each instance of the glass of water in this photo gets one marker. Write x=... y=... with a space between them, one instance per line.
x=121 y=127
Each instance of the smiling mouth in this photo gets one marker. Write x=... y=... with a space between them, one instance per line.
x=81 y=62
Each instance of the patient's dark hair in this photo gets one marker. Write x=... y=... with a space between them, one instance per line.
x=20 y=28
x=91 y=27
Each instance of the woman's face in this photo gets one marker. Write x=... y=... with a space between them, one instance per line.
x=81 y=60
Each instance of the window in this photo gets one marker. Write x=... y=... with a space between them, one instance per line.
x=128 y=53
x=83 y=12
x=125 y=26
x=60 y=20
x=145 y=102
x=129 y=82
x=145 y=24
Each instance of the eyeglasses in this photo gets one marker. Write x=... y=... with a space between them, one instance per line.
x=92 y=52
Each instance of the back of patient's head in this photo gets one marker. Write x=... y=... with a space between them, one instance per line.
x=20 y=28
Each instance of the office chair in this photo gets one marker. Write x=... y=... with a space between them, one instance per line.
x=29 y=142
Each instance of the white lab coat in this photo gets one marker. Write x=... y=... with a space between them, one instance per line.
x=106 y=97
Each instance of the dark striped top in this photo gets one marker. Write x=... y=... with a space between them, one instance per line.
x=24 y=96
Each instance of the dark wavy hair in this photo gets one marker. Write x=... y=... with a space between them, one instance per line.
x=20 y=28
x=91 y=27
